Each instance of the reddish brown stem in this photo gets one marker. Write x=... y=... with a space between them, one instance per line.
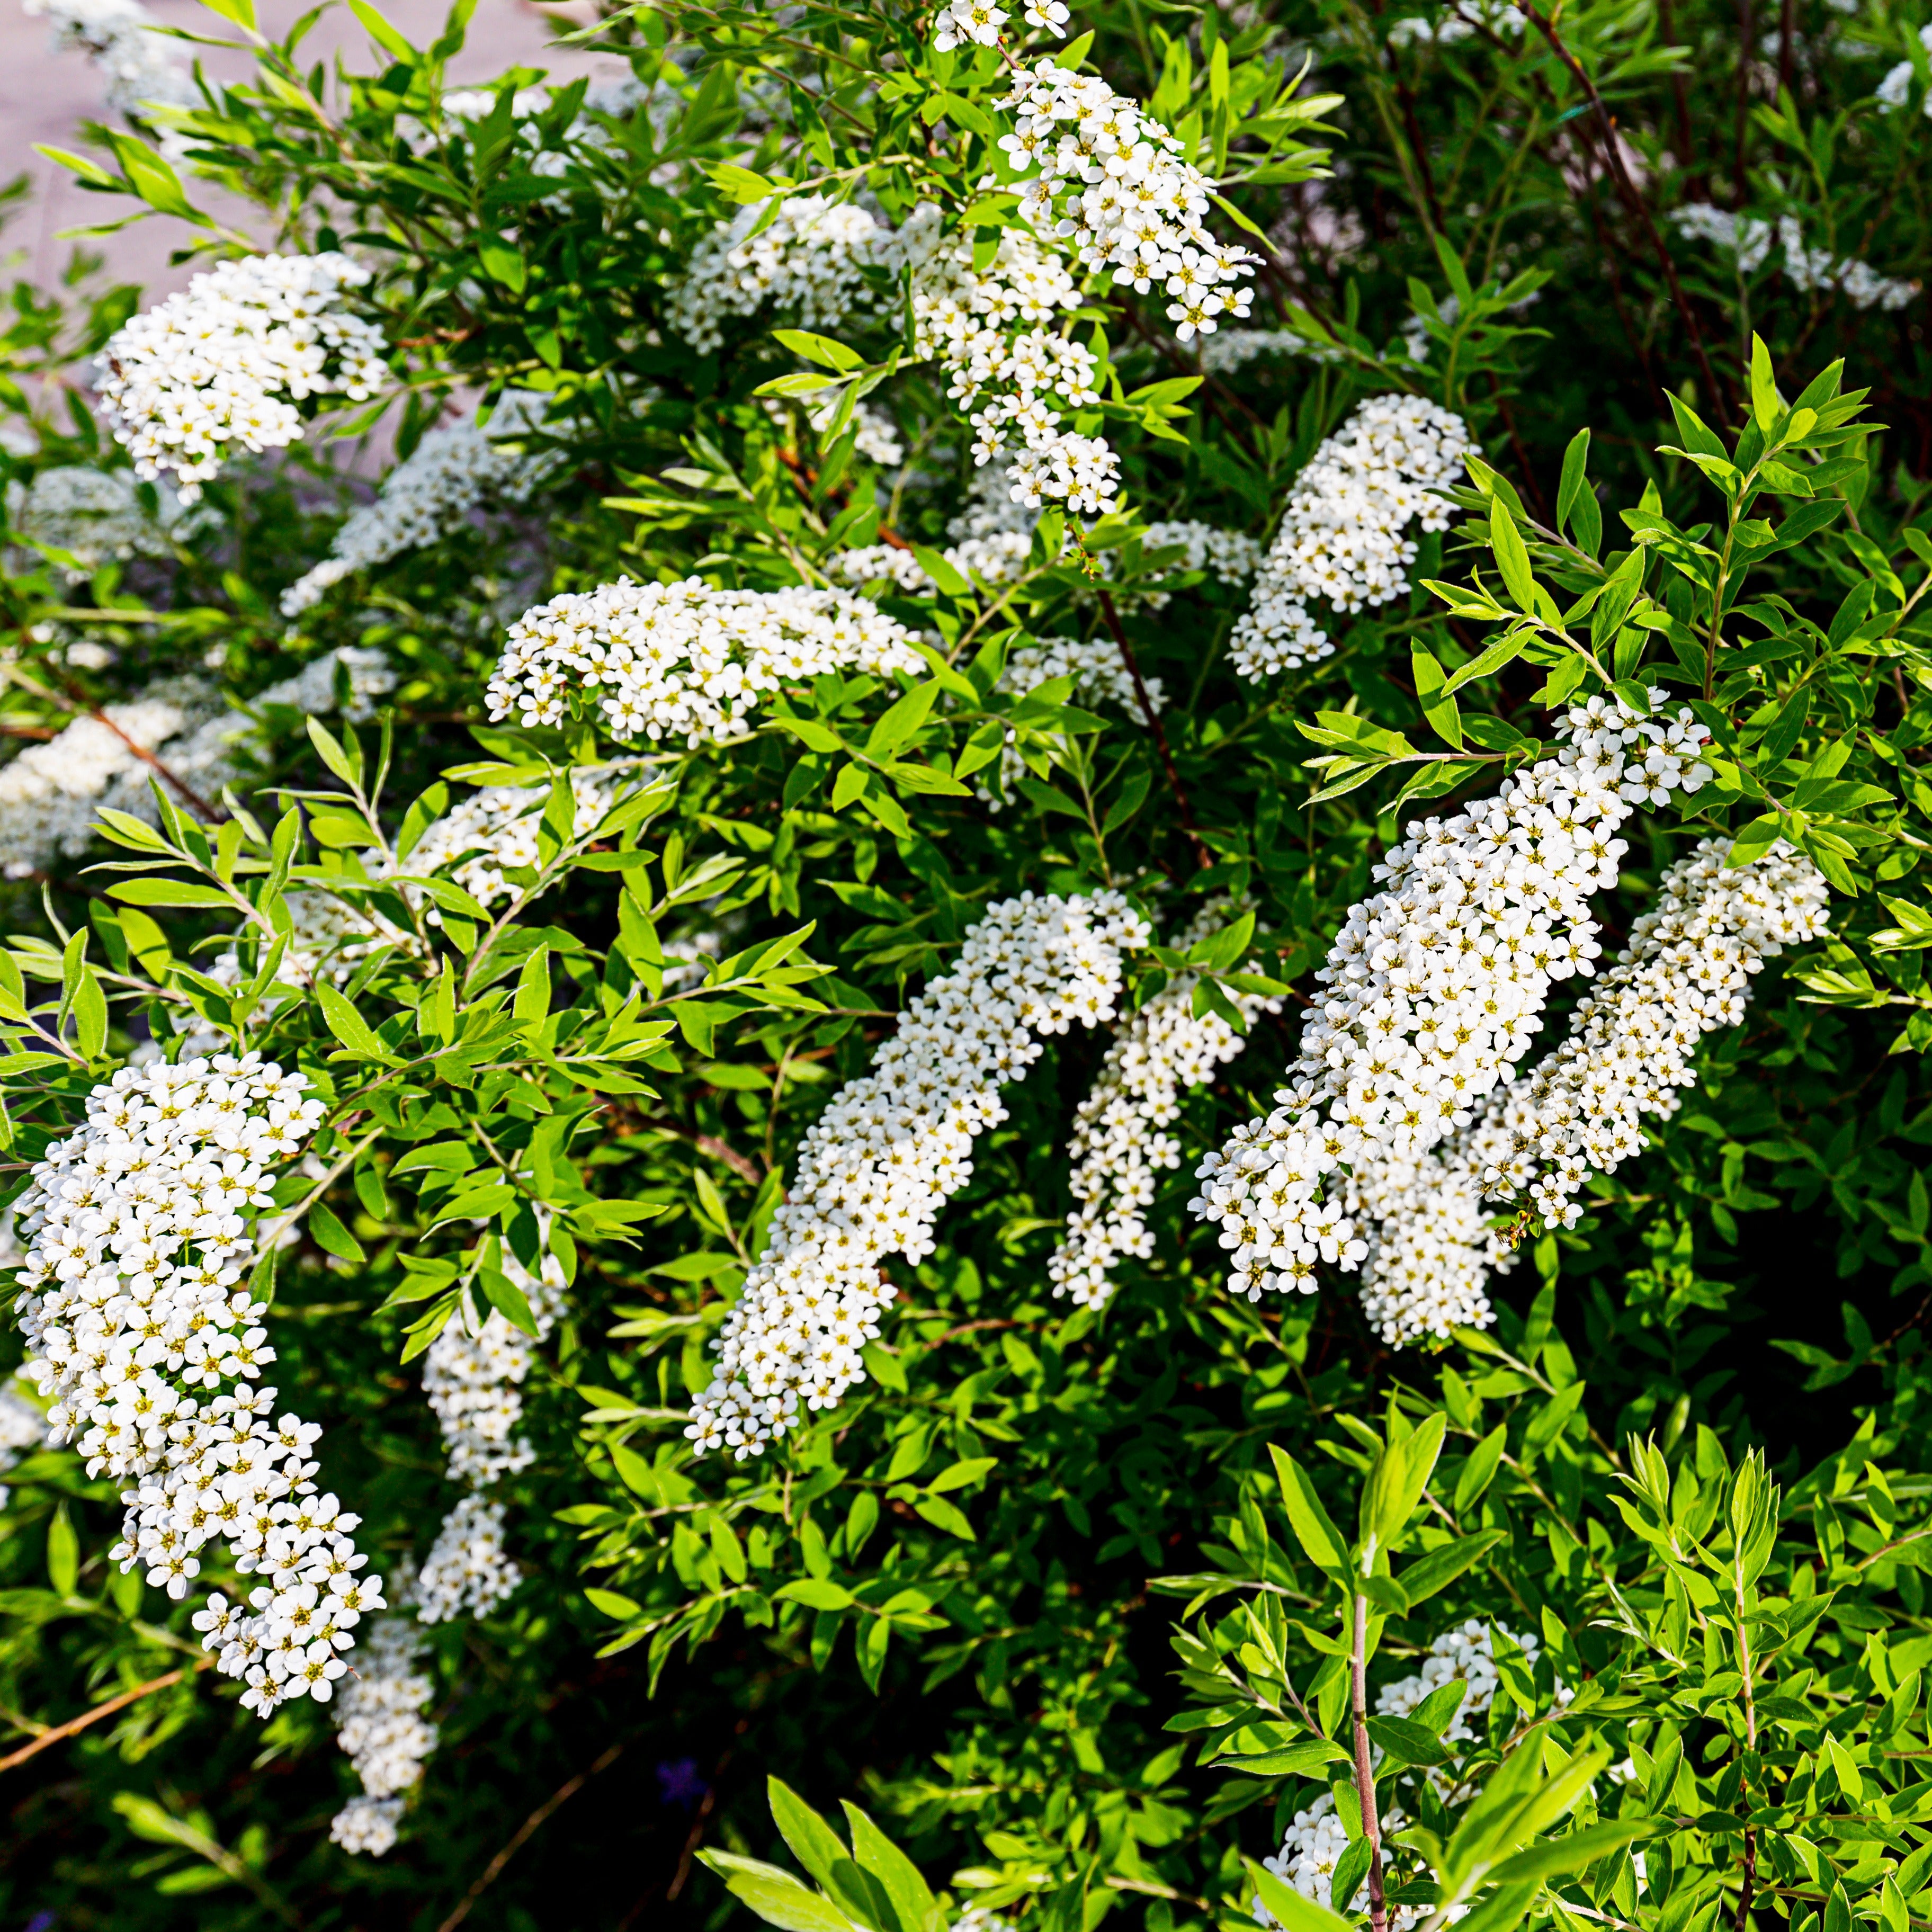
x=524 y=1833
x=1627 y=189
x=1365 y=1774
x=47 y=1739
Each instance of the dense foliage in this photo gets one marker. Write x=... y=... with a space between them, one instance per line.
x=609 y=817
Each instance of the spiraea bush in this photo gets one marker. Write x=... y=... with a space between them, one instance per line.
x=1008 y=918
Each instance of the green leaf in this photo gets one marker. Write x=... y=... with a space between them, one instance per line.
x=877 y=1856
x=1479 y=1471
x=63 y=1553
x=341 y=1017
x=332 y=1237
x=1432 y=693
x=1556 y=1856
x=1290 y=1909
x=816 y=1593
x=820 y=349
x=395 y=44
x=1323 y=1543
x=1441 y=1568
x=943 y=1515
x=508 y=1299
x=168 y=892
x=1512 y=556
x=776 y=1896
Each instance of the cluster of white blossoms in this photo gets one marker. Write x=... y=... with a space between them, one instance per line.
x=224 y=362
x=22 y=1429
x=473 y=1377
x=115 y=36
x=1465 y=1654
x=448 y=474
x=1751 y=238
x=1119 y=1148
x=1312 y=1847
x=876 y=1166
x=1343 y=535
x=1686 y=972
x=380 y=1724
x=1230 y=350
x=1895 y=89
x=993 y=561
x=1008 y=368
x=1011 y=371
x=1436 y=987
x=683 y=660
x=136 y=1314
x=494 y=831
x=809 y=259
x=1315 y=1840
x=1117 y=185
x=51 y=794
x=979 y=23
x=98 y=517
x=467 y=1568
x=1001 y=557
x=1457 y=22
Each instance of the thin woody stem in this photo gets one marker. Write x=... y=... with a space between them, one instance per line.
x=1365 y=1778
x=74 y=1725
x=1627 y=188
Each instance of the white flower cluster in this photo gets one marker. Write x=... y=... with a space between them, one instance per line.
x=1686 y=972
x=1467 y=1654
x=1341 y=534
x=96 y=516
x=1315 y=1841
x=1895 y=89
x=467 y=1568
x=877 y=1165
x=446 y=476
x=51 y=794
x=1311 y=1848
x=23 y=1428
x=1010 y=371
x=380 y=1724
x=313 y=688
x=1229 y=350
x=494 y=831
x=809 y=259
x=999 y=557
x=1751 y=238
x=1118 y=1148
x=683 y=660
x=978 y=22
x=115 y=36
x=1436 y=987
x=225 y=361
x=473 y=1377
x=1454 y=24
x=1229 y=557
x=135 y=1311
x=1115 y=183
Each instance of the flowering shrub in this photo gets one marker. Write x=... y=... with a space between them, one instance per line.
x=925 y=856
